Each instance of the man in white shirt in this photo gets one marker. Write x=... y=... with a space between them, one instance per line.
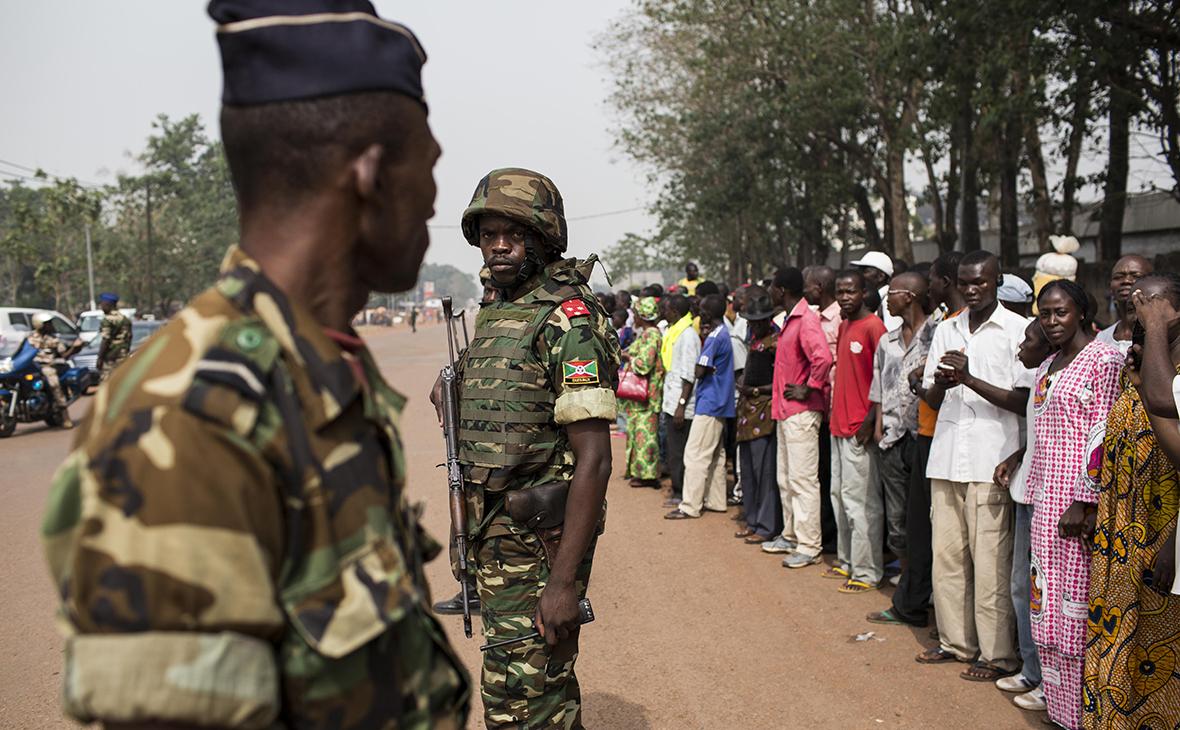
x=877 y=268
x=1126 y=272
x=973 y=377
x=683 y=348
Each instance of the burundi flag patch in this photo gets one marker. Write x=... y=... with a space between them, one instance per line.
x=580 y=372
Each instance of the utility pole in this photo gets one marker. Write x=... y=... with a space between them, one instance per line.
x=151 y=282
x=90 y=266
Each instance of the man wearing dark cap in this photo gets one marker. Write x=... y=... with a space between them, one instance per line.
x=230 y=536
x=115 y=331
x=537 y=397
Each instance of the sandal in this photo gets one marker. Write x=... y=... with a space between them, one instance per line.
x=677 y=515
x=744 y=532
x=884 y=617
x=981 y=671
x=856 y=586
x=835 y=571
x=756 y=539
x=937 y=655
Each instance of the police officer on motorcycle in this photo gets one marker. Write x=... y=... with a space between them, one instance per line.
x=50 y=350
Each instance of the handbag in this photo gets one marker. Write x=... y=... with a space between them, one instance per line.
x=632 y=386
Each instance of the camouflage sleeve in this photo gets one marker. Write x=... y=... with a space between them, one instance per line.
x=163 y=534
x=583 y=363
x=104 y=328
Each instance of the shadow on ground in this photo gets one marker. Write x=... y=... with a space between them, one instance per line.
x=606 y=710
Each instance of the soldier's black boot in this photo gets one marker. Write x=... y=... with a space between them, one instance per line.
x=454 y=606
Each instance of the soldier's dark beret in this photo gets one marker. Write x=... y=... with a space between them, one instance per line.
x=286 y=50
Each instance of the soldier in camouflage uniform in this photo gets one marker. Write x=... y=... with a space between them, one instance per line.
x=115 y=331
x=536 y=403
x=230 y=535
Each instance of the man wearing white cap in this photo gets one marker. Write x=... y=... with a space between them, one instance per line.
x=1015 y=295
x=878 y=270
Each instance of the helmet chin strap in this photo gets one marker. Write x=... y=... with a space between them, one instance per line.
x=534 y=261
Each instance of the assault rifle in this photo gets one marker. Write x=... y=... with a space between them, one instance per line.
x=457 y=492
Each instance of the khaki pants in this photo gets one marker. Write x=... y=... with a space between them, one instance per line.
x=49 y=372
x=798 y=480
x=973 y=534
x=704 y=466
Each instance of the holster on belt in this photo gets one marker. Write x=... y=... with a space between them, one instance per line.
x=542 y=510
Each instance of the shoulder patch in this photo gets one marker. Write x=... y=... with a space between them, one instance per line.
x=227 y=388
x=580 y=372
x=231 y=369
x=575 y=308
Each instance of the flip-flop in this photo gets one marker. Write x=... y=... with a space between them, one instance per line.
x=835 y=571
x=884 y=617
x=990 y=673
x=937 y=655
x=856 y=586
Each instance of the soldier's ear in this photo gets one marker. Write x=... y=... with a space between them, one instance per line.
x=366 y=171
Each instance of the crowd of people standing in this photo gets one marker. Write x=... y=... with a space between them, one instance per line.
x=1004 y=461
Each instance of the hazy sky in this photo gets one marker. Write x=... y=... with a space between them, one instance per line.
x=508 y=83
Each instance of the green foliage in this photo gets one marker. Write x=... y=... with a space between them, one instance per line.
x=448 y=282
x=773 y=129
x=192 y=222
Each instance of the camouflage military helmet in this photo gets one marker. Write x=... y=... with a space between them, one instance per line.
x=522 y=195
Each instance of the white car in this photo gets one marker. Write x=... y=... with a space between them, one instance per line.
x=17 y=322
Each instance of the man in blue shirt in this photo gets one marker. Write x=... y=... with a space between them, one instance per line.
x=704 y=454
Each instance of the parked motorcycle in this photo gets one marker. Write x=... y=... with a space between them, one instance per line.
x=25 y=396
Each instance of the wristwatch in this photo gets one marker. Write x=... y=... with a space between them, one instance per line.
x=683 y=401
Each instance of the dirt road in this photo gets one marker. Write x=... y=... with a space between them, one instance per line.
x=694 y=628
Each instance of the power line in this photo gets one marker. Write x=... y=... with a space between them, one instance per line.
x=30 y=178
x=81 y=181
x=607 y=213
x=589 y=216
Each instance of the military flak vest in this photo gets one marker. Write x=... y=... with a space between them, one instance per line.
x=507 y=398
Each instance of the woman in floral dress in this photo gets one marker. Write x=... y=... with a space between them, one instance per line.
x=1074 y=390
x=1132 y=674
x=643 y=419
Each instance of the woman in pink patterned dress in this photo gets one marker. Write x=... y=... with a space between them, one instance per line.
x=1073 y=392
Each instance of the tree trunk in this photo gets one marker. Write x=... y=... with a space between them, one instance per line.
x=1073 y=154
x=1114 y=191
x=865 y=209
x=1042 y=203
x=953 y=181
x=886 y=244
x=935 y=196
x=969 y=217
x=1009 y=196
x=899 y=210
x=844 y=232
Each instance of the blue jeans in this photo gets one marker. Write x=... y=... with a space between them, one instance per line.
x=1021 y=549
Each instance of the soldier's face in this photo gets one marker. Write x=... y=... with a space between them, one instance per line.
x=393 y=235
x=504 y=243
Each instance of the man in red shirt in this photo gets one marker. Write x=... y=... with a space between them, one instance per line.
x=799 y=399
x=857 y=504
